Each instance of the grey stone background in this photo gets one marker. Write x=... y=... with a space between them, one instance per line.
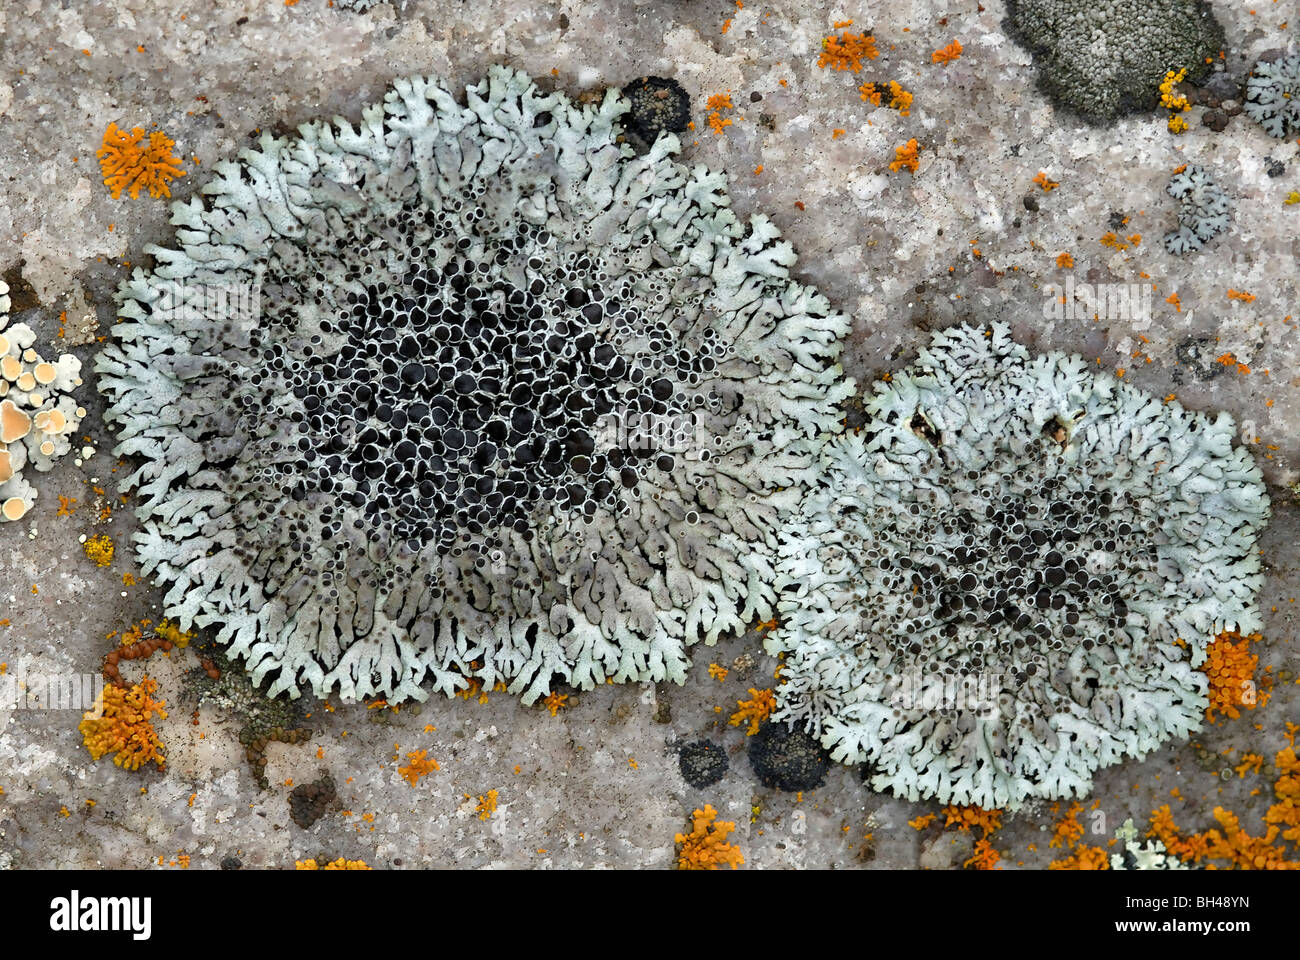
x=598 y=785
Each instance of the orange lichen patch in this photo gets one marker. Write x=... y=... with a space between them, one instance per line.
x=706 y=846
x=1068 y=829
x=984 y=857
x=846 y=51
x=487 y=805
x=966 y=818
x=1228 y=360
x=1231 y=844
x=14 y=424
x=1065 y=261
x=1110 y=239
x=718 y=672
x=1047 y=185
x=754 y=711
x=923 y=821
x=122 y=725
x=339 y=864
x=554 y=701
x=99 y=550
x=899 y=99
x=1168 y=99
x=1249 y=762
x=417 y=766
x=1286 y=812
x=1241 y=295
x=129 y=165
x=837 y=133
x=1173 y=298
x=716 y=104
x=905 y=156
x=946 y=55
x=1230 y=668
x=1083 y=858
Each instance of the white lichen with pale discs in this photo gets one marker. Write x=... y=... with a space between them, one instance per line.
x=1007 y=579
x=38 y=416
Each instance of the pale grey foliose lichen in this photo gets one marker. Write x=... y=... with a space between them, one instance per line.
x=518 y=404
x=1202 y=213
x=1104 y=58
x=1130 y=854
x=1273 y=95
x=1007 y=579
x=38 y=415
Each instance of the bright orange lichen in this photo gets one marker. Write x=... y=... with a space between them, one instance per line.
x=984 y=857
x=487 y=805
x=718 y=672
x=1241 y=295
x=946 y=55
x=339 y=864
x=846 y=51
x=1065 y=261
x=1083 y=858
x=965 y=818
x=418 y=766
x=1048 y=185
x=754 y=711
x=127 y=164
x=706 y=846
x=716 y=104
x=905 y=156
x=1068 y=829
x=121 y=725
x=99 y=550
x=899 y=99
x=1228 y=843
x=923 y=821
x=1230 y=668
x=554 y=701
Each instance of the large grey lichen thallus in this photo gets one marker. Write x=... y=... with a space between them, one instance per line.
x=514 y=403
x=1007 y=579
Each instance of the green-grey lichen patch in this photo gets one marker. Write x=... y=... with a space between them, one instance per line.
x=1007 y=579
x=1273 y=96
x=512 y=403
x=1101 y=59
x=1202 y=212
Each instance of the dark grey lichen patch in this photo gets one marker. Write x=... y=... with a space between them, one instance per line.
x=1008 y=578
x=659 y=105
x=308 y=802
x=1100 y=59
x=512 y=403
x=702 y=763
x=786 y=758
